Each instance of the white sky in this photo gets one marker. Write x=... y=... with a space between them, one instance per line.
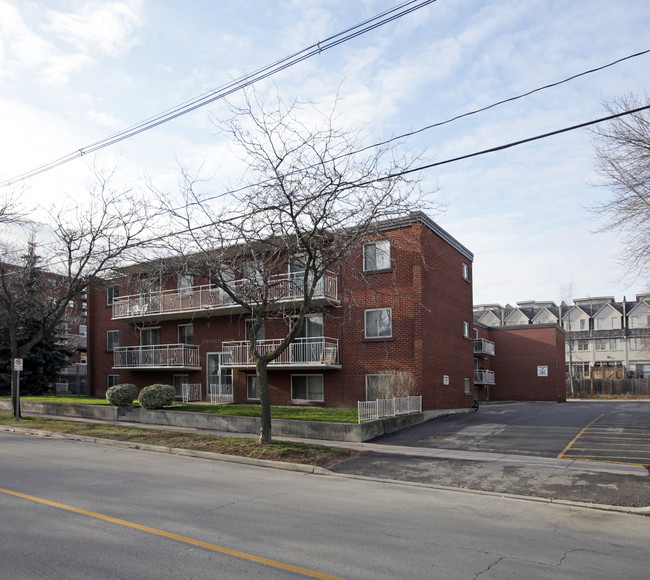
x=74 y=72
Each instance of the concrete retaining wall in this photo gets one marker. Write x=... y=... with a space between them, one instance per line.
x=231 y=424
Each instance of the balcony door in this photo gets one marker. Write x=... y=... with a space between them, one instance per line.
x=219 y=379
x=308 y=346
x=149 y=346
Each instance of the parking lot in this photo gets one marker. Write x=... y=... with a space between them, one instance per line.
x=611 y=431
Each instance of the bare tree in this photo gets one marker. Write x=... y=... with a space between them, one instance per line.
x=567 y=291
x=307 y=202
x=57 y=263
x=623 y=160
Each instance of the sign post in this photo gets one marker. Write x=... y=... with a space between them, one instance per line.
x=18 y=366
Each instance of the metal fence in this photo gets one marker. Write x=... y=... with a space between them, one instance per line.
x=191 y=392
x=372 y=410
x=585 y=387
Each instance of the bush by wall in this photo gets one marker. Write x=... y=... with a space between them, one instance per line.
x=156 y=396
x=122 y=395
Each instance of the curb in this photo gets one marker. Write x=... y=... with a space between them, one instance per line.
x=315 y=470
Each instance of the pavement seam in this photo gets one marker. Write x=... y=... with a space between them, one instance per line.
x=315 y=470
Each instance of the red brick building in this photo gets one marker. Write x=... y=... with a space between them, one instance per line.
x=519 y=363
x=403 y=303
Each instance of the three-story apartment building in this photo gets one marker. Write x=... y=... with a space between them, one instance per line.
x=401 y=303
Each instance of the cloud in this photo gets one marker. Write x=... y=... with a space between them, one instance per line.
x=105 y=26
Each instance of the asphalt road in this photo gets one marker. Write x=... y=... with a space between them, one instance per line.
x=614 y=431
x=121 y=513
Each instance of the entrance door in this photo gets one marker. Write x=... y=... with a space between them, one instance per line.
x=219 y=378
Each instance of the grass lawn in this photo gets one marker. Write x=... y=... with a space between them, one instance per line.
x=295 y=413
x=292 y=452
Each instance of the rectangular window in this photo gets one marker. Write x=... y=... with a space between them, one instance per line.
x=112 y=292
x=582 y=324
x=466 y=329
x=249 y=328
x=112 y=339
x=83 y=330
x=379 y=323
x=465 y=272
x=185 y=284
x=112 y=380
x=83 y=358
x=185 y=334
x=252 y=387
x=583 y=345
x=376 y=256
x=379 y=387
x=634 y=321
x=307 y=387
x=599 y=323
x=468 y=386
x=84 y=309
x=614 y=344
x=150 y=337
x=70 y=303
x=601 y=344
x=637 y=343
x=614 y=322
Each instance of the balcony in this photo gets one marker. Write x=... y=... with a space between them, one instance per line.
x=157 y=357
x=304 y=353
x=483 y=377
x=483 y=346
x=76 y=340
x=207 y=300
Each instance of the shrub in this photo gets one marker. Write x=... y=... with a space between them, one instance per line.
x=122 y=395
x=156 y=396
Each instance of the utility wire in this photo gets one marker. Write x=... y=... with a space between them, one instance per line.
x=315 y=49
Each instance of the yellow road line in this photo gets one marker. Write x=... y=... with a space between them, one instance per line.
x=169 y=535
x=561 y=455
x=597 y=458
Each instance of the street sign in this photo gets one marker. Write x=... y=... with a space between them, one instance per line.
x=18 y=364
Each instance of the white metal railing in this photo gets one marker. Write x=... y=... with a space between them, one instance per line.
x=372 y=410
x=303 y=351
x=160 y=355
x=220 y=391
x=207 y=297
x=191 y=392
x=483 y=346
x=483 y=377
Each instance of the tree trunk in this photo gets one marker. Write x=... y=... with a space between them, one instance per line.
x=265 y=401
x=15 y=396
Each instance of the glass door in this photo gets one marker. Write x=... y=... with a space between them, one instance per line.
x=219 y=378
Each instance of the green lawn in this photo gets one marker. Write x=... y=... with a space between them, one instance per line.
x=295 y=413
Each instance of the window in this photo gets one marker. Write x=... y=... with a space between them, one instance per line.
x=112 y=380
x=599 y=323
x=312 y=327
x=476 y=333
x=178 y=381
x=634 y=321
x=637 y=343
x=465 y=272
x=601 y=344
x=379 y=323
x=112 y=339
x=307 y=387
x=249 y=328
x=83 y=358
x=185 y=334
x=70 y=303
x=379 y=387
x=112 y=292
x=466 y=329
x=185 y=284
x=614 y=344
x=583 y=345
x=252 y=387
x=83 y=330
x=376 y=256
x=150 y=336
x=614 y=322
x=468 y=386
x=84 y=309
x=582 y=323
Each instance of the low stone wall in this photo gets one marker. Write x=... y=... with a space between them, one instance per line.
x=350 y=432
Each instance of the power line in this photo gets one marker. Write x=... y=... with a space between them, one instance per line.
x=372 y=23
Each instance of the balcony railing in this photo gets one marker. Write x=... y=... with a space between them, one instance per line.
x=157 y=356
x=483 y=346
x=76 y=340
x=303 y=352
x=483 y=377
x=207 y=298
